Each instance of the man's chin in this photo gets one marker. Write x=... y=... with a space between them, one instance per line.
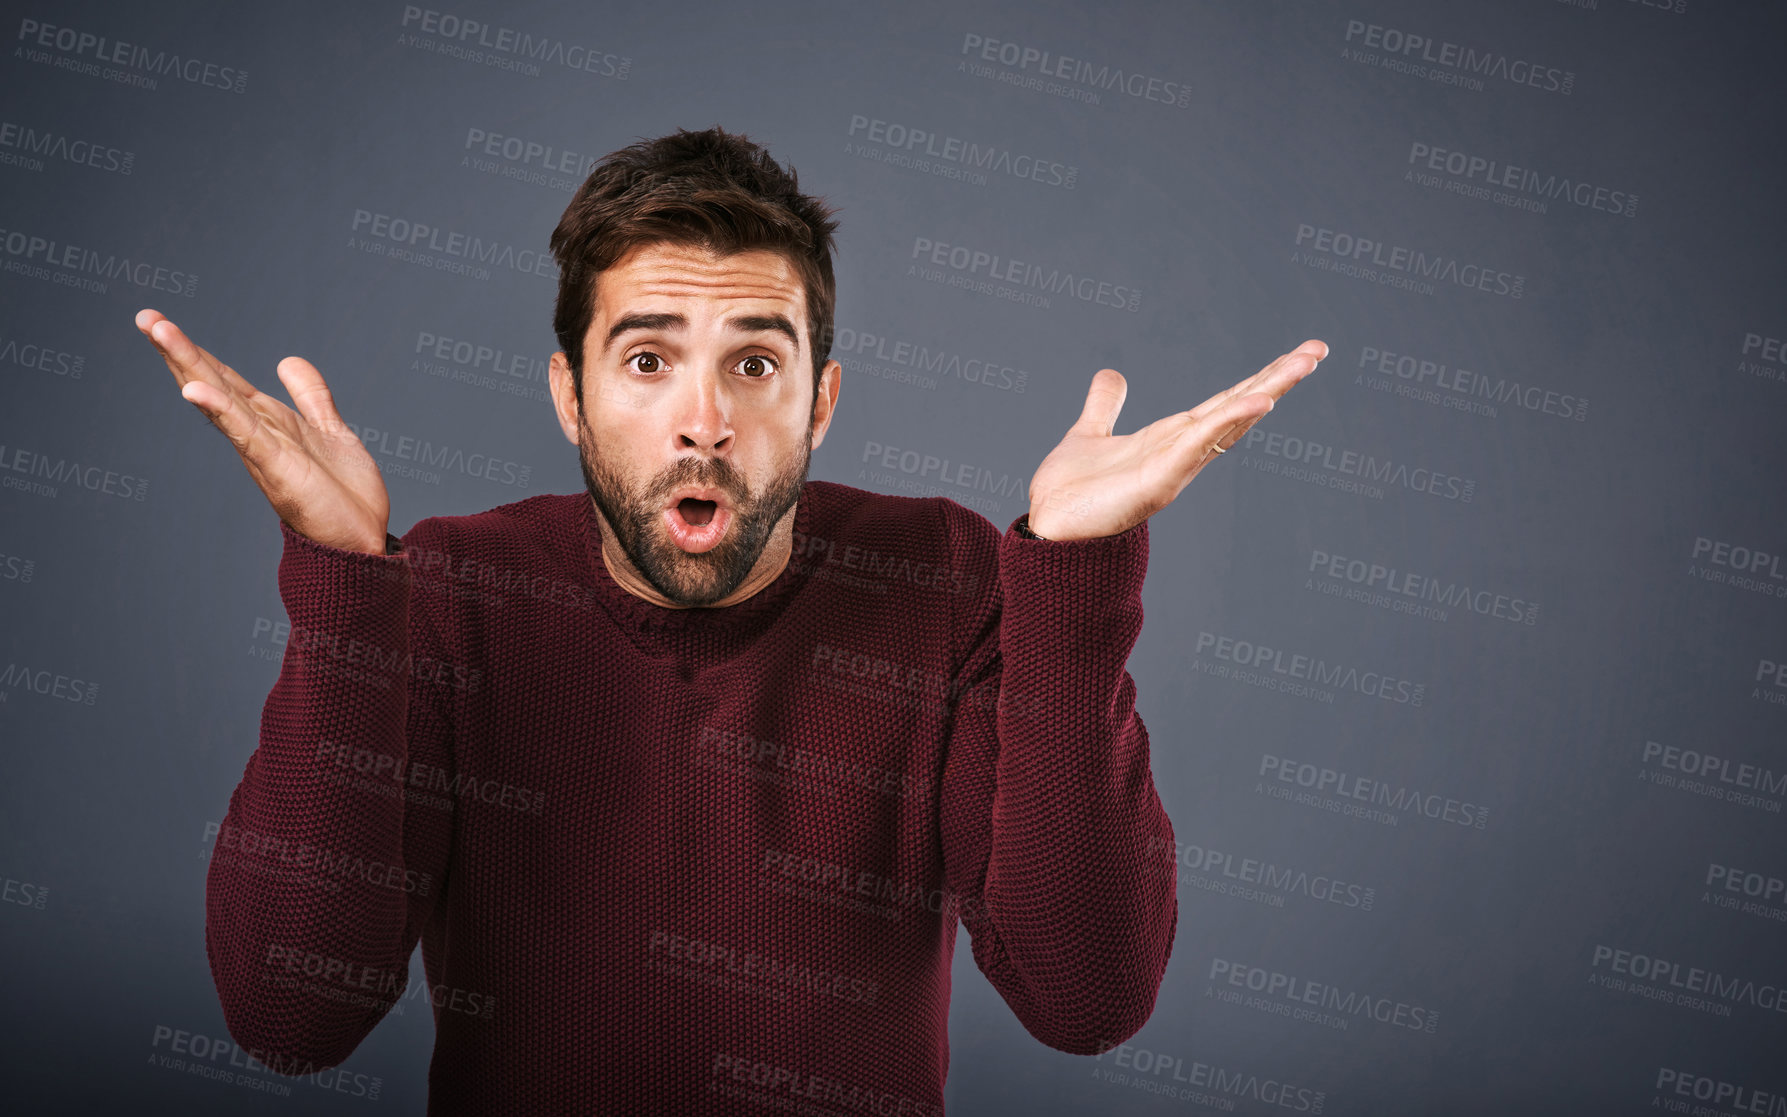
x=734 y=544
x=694 y=579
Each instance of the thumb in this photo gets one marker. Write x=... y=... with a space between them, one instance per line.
x=310 y=394
x=1104 y=399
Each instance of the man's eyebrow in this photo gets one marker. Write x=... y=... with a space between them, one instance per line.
x=645 y=322
x=742 y=323
x=759 y=323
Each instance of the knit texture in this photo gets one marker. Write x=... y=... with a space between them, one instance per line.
x=696 y=860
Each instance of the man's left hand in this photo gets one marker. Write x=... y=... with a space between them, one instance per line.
x=1096 y=484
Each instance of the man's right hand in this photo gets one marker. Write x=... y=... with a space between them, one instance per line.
x=310 y=465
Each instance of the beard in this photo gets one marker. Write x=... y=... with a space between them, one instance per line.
x=690 y=580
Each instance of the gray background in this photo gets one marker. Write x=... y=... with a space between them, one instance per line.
x=137 y=610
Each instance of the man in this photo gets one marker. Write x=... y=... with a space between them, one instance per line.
x=684 y=786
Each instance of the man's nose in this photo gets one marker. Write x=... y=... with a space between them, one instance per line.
x=701 y=420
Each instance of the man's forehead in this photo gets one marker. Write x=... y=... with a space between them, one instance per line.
x=663 y=271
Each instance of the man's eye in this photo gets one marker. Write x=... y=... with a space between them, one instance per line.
x=645 y=362
x=757 y=366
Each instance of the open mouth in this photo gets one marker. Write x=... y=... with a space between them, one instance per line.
x=696 y=513
x=697 y=525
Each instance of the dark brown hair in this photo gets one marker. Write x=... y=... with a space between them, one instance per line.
x=711 y=189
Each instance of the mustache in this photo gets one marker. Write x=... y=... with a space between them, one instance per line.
x=692 y=469
x=715 y=473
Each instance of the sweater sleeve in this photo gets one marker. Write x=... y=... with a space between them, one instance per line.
x=329 y=863
x=1051 y=826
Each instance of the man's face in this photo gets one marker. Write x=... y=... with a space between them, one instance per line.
x=699 y=417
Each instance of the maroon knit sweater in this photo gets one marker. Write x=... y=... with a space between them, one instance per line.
x=696 y=860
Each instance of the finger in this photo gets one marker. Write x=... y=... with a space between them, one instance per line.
x=245 y=429
x=1229 y=423
x=1277 y=378
x=1283 y=372
x=311 y=394
x=187 y=361
x=1227 y=440
x=230 y=376
x=1249 y=409
x=183 y=356
x=1291 y=368
x=1104 y=399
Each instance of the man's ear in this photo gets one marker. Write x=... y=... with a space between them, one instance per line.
x=825 y=400
x=564 y=394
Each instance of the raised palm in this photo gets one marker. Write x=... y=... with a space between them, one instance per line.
x=309 y=464
x=1095 y=483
